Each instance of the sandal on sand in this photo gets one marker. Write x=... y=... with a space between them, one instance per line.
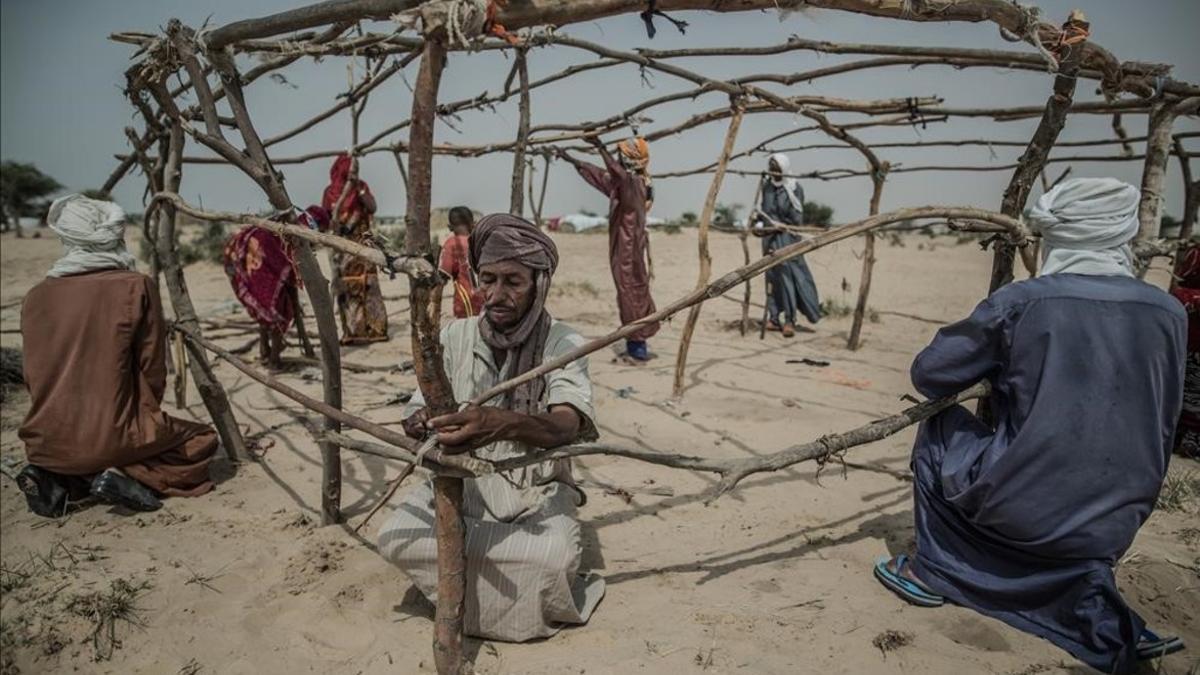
x=1151 y=646
x=789 y=330
x=772 y=327
x=908 y=590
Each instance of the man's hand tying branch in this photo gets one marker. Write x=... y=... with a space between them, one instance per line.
x=477 y=426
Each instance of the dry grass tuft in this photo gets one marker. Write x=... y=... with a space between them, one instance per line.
x=105 y=609
x=1190 y=536
x=891 y=640
x=1180 y=492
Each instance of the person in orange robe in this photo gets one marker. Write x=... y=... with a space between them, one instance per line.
x=453 y=263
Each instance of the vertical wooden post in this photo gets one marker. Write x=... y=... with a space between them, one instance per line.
x=306 y=347
x=710 y=204
x=516 y=204
x=315 y=282
x=425 y=299
x=745 y=325
x=1029 y=166
x=1154 y=169
x=211 y=391
x=1031 y=163
x=541 y=202
x=868 y=267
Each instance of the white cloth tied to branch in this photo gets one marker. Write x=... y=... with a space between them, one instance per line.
x=92 y=233
x=1086 y=226
x=464 y=19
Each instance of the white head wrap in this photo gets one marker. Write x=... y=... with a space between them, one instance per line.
x=789 y=185
x=1086 y=226
x=92 y=233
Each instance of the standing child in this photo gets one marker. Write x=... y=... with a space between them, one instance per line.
x=453 y=264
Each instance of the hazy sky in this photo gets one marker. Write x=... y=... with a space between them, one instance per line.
x=61 y=106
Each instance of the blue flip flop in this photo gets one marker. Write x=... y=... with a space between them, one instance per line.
x=904 y=587
x=1151 y=646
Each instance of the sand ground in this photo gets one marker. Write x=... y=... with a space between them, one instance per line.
x=772 y=578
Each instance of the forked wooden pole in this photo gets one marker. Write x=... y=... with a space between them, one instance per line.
x=211 y=392
x=425 y=296
x=868 y=267
x=744 y=236
x=1029 y=166
x=1033 y=162
x=541 y=202
x=1154 y=170
x=253 y=160
x=516 y=204
x=710 y=203
x=745 y=324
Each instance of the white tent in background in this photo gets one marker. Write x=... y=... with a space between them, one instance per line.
x=581 y=222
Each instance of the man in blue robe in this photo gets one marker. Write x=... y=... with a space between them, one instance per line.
x=791 y=290
x=1024 y=520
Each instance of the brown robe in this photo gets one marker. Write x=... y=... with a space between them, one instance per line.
x=95 y=364
x=627 y=238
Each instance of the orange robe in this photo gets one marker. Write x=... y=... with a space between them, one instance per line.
x=468 y=300
x=95 y=364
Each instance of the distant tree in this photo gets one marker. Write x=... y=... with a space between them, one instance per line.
x=816 y=213
x=726 y=214
x=23 y=189
x=688 y=218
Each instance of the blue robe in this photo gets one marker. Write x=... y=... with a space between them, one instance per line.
x=790 y=286
x=1025 y=522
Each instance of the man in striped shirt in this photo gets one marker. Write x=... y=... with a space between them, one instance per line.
x=523 y=542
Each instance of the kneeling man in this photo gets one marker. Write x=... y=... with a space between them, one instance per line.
x=1024 y=521
x=523 y=545
x=95 y=363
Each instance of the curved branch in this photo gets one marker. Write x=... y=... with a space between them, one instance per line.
x=733 y=471
x=1138 y=78
x=412 y=266
x=434 y=457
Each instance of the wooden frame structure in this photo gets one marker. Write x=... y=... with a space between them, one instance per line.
x=205 y=64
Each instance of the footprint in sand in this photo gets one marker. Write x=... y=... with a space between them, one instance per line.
x=974 y=633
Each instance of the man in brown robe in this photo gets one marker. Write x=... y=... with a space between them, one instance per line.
x=627 y=185
x=95 y=363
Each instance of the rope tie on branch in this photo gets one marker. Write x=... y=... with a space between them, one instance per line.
x=1075 y=30
x=466 y=20
x=914 y=112
x=830 y=454
x=1028 y=32
x=390 y=260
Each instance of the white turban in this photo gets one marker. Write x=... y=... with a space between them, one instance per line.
x=92 y=234
x=1086 y=226
x=788 y=184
